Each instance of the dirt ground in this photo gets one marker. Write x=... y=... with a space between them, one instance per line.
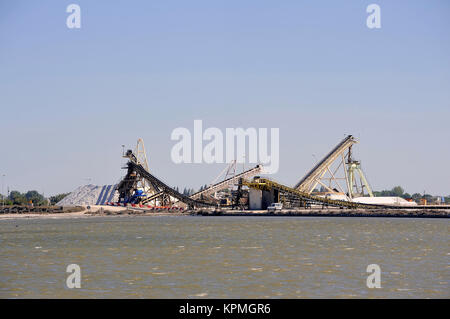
x=94 y=211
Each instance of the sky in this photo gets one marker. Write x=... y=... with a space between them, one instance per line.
x=70 y=98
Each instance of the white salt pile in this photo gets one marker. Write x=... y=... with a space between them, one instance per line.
x=90 y=195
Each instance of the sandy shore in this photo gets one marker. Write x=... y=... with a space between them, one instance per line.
x=94 y=211
x=409 y=213
x=108 y=211
x=61 y=215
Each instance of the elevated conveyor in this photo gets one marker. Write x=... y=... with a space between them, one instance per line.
x=135 y=170
x=312 y=178
x=295 y=197
x=228 y=182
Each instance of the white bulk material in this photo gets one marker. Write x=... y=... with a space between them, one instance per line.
x=90 y=195
x=384 y=201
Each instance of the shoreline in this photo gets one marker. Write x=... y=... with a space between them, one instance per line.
x=94 y=211
x=108 y=211
x=372 y=213
x=83 y=214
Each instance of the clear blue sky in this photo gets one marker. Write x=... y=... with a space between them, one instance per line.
x=70 y=98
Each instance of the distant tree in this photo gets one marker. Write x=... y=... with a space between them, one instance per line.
x=17 y=198
x=55 y=199
x=406 y=195
x=36 y=198
x=397 y=191
x=4 y=200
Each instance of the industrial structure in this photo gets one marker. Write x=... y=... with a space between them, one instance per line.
x=326 y=174
x=337 y=180
x=139 y=186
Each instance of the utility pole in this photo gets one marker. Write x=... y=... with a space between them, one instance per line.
x=3 y=196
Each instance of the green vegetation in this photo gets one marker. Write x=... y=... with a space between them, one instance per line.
x=398 y=191
x=395 y=191
x=188 y=191
x=57 y=198
x=5 y=200
x=18 y=198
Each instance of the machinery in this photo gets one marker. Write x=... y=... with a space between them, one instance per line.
x=139 y=186
x=337 y=168
x=229 y=180
x=133 y=188
x=338 y=175
x=291 y=197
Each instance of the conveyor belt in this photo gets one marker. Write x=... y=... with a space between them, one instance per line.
x=164 y=187
x=229 y=181
x=306 y=183
x=266 y=184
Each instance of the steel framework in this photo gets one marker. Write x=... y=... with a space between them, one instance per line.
x=292 y=197
x=335 y=168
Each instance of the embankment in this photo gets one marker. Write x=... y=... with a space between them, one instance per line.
x=411 y=213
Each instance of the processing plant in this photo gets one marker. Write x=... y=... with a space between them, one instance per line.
x=337 y=180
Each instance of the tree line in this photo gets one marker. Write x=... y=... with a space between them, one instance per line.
x=189 y=191
x=398 y=191
x=37 y=199
x=30 y=197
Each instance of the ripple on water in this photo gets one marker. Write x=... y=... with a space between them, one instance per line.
x=225 y=257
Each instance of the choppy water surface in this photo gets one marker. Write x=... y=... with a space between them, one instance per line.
x=223 y=257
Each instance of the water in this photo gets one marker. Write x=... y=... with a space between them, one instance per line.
x=224 y=257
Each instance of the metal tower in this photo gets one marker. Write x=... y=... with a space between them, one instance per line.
x=335 y=168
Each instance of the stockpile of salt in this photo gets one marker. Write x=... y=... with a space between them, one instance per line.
x=90 y=195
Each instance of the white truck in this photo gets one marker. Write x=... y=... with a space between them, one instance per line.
x=275 y=206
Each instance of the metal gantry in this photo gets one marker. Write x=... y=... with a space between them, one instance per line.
x=335 y=168
x=228 y=182
x=139 y=180
x=292 y=197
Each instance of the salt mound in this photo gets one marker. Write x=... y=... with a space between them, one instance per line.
x=384 y=200
x=90 y=195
